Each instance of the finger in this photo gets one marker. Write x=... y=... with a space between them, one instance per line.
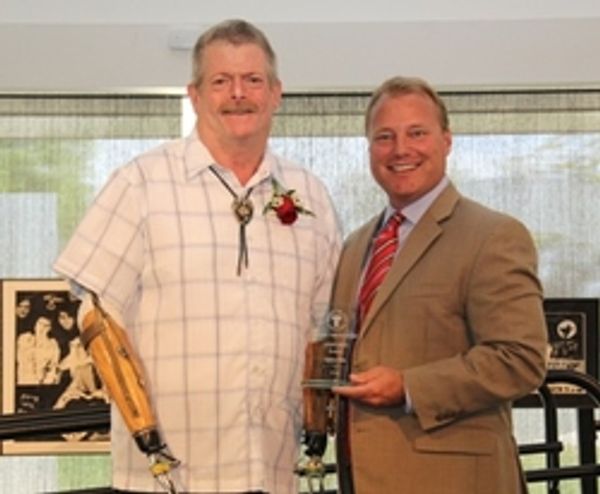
x=355 y=392
x=341 y=390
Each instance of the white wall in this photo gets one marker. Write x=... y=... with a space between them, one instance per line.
x=323 y=45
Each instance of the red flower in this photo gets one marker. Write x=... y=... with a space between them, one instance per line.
x=286 y=204
x=287 y=211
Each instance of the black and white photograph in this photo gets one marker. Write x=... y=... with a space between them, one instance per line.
x=45 y=366
x=572 y=327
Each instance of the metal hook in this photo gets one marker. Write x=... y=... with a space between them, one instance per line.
x=314 y=473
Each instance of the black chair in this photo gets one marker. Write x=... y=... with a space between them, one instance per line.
x=588 y=469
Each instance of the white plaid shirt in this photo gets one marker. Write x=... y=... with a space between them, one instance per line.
x=223 y=353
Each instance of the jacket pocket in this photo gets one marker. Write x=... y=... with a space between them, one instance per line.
x=470 y=442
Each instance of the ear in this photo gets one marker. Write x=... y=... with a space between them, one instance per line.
x=276 y=90
x=192 y=92
x=448 y=140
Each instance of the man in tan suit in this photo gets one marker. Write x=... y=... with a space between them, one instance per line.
x=453 y=334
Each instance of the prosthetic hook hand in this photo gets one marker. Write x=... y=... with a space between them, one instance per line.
x=318 y=418
x=121 y=372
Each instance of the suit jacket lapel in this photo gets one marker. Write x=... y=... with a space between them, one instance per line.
x=350 y=269
x=424 y=233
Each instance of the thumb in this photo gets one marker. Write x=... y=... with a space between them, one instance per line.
x=358 y=377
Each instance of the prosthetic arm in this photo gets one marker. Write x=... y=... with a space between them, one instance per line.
x=121 y=372
x=318 y=414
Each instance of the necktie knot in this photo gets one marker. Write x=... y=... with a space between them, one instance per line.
x=390 y=230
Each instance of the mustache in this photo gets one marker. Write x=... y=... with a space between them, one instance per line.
x=239 y=107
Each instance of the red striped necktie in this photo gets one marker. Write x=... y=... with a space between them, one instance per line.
x=384 y=249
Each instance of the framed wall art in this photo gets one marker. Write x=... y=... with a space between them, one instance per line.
x=45 y=366
x=573 y=338
x=572 y=325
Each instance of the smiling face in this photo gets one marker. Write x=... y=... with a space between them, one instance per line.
x=407 y=146
x=236 y=96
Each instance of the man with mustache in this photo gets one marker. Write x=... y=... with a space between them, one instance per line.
x=450 y=326
x=194 y=250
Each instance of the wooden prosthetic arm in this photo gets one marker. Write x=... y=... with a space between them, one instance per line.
x=121 y=371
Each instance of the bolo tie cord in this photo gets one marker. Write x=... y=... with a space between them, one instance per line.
x=243 y=209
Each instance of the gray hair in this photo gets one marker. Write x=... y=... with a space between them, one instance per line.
x=237 y=32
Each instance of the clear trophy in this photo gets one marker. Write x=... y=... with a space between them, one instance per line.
x=326 y=366
x=327 y=358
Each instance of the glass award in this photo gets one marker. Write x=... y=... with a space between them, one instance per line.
x=327 y=358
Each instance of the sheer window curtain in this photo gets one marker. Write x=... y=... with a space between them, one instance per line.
x=535 y=155
x=55 y=153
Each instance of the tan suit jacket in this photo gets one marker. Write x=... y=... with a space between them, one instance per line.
x=460 y=314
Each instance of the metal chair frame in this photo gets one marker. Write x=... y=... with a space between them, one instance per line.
x=588 y=469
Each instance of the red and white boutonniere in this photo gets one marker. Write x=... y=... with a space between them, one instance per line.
x=286 y=204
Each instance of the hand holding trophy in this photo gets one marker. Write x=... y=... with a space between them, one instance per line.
x=325 y=367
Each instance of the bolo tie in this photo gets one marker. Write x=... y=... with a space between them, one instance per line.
x=243 y=210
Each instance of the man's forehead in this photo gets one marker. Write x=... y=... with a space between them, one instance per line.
x=389 y=105
x=244 y=62
x=248 y=52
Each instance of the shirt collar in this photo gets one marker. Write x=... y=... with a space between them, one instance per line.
x=197 y=158
x=415 y=210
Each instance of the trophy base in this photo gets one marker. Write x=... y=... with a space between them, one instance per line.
x=324 y=383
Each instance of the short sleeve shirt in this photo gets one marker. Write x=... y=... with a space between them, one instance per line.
x=223 y=352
